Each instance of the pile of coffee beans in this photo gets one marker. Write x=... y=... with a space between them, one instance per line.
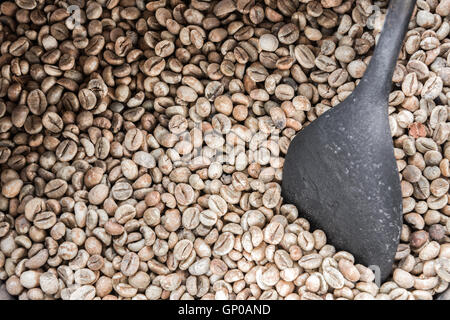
x=142 y=147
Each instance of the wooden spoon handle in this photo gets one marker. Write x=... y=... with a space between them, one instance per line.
x=378 y=76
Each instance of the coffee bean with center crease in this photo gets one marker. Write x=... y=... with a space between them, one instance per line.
x=305 y=57
x=183 y=249
x=102 y=148
x=38 y=259
x=26 y=4
x=125 y=213
x=95 y=262
x=19 y=47
x=96 y=44
x=257 y=72
x=55 y=188
x=224 y=244
x=288 y=33
x=37 y=102
x=208 y=218
x=273 y=233
x=164 y=48
x=133 y=139
x=66 y=150
x=87 y=99
x=52 y=122
x=67 y=250
x=130 y=264
x=33 y=207
x=337 y=78
x=121 y=191
x=284 y=92
x=186 y=93
x=33 y=125
x=190 y=218
x=45 y=220
x=153 y=66
x=5 y=153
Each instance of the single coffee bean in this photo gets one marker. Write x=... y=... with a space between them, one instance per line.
x=121 y=191
x=66 y=150
x=55 y=188
x=37 y=102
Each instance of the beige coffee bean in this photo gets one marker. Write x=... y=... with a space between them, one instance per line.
x=49 y=283
x=129 y=169
x=170 y=282
x=30 y=279
x=37 y=260
x=429 y=251
x=184 y=194
x=93 y=176
x=200 y=267
x=45 y=220
x=66 y=150
x=86 y=292
x=133 y=139
x=206 y=217
x=186 y=93
x=37 y=102
x=129 y=264
x=55 y=188
x=439 y=187
x=190 y=218
x=98 y=194
x=268 y=42
x=411 y=173
x=305 y=57
x=288 y=33
x=87 y=99
x=84 y=276
x=310 y=261
x=52 y=122
x=125 y=213
x=121 y=191
x=12 y=188
x=348 y=270
x=305 y=240
x=26 y=4
x=67 y=250
x=403 y=279
x=144 y=159
x=224 y=244
x=345 y=54
x=273 y=233
x=284 y=92
x=140 y=280
x=183 y=249
x=424 y=283
x=432 y=87
x=442 y=268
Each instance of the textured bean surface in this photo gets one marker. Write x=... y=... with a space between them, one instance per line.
x=142 y=147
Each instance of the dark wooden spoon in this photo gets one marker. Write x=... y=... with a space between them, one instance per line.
x=340 y=171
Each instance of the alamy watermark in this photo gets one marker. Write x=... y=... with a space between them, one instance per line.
x=75 y=16
x=377 y=272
